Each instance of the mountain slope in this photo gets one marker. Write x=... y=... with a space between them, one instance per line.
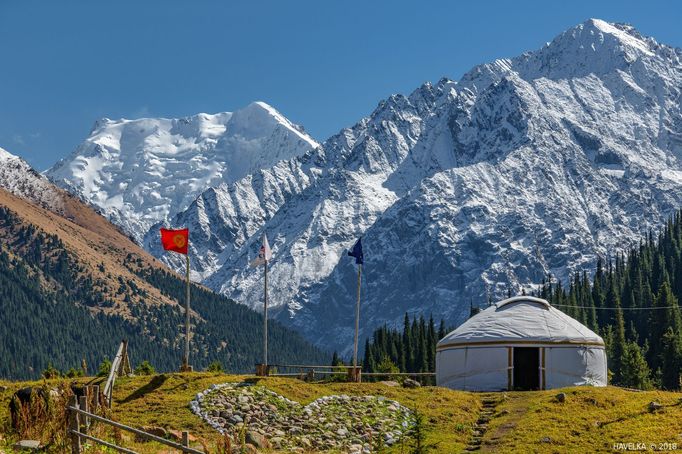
x=140 y=172
x=526 y=166
x=72 y=290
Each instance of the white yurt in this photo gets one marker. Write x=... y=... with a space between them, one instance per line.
x=520 y=343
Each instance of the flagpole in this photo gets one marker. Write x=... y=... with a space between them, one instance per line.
x=185 y=360
x=357 y=323
x=265 y=318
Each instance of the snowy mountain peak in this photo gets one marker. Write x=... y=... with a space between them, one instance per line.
x=595 y=46
x=257 y=116
x=143 y=171
x=594 y=35
x=20 y=179
x=6 y=155
x=592 y=47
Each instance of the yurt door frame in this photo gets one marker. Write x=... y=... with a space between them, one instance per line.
x=525 y=360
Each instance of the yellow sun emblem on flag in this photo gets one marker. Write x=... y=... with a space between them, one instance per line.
x=179 y=240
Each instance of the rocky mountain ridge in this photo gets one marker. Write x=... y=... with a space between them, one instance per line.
x=463 y=190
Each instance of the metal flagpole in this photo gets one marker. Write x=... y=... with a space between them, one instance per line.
x=357 y=323
x=265 y=318
x=185 y=360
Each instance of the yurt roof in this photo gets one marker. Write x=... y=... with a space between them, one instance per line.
x=519 y=320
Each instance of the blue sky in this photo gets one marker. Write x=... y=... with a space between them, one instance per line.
x=323 y=64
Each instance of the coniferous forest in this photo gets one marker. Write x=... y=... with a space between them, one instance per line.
x=632 y=301
x=46 y=296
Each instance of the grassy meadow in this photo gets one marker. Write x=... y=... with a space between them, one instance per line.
x=589 y=420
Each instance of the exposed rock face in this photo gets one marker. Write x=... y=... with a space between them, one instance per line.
x=348 y=423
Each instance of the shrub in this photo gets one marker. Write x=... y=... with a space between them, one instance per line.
x=215 y=366
x=144 y=368
x=50 y=372
x=387 y=367
x=104 y=368
x=73 y=373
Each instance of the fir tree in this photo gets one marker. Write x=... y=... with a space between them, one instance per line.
x=441 y=330
x=635 y=372
x=671 y=364
x=619 y=344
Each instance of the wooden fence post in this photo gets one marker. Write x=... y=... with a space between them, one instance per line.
x=74 y=426
x=83 y=405
x=95 y=402
x=354 y=374
x=185 y=438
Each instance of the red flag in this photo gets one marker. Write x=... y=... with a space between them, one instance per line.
x=175 y=240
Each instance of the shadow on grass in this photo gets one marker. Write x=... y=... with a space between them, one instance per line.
x=155 y=383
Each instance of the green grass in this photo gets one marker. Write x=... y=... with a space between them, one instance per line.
x=591 y=419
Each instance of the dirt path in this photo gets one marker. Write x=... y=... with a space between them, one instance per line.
x=511 y=418
x=490 y=403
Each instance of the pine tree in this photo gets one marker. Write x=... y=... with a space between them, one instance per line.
x=665 y=316
x=619 y=344
x=407 y=354
x=598 y=296
x=671 y=364
x=368 y=364
x=431 y=342
x=635 y=371
x=441 y=330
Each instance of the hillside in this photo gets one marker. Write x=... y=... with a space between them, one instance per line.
x=590 y=419
x=73 y=289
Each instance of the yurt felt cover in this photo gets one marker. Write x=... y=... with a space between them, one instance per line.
x=474 y=356
x=522 y=319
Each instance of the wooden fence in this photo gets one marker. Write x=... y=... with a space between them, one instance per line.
x=79 y=427
x=307 y=372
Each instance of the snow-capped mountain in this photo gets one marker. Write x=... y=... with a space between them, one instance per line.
x=141 y=172
x=463 y=189
x=19 y=178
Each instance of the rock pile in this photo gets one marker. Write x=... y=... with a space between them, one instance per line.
x=355 y=424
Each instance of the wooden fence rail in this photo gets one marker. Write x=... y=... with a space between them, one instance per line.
x=309 y=372
x=78 y=431
x=120 y=366
x=404 y=374
x=301 y=366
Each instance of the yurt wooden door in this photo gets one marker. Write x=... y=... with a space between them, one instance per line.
x=526 y=368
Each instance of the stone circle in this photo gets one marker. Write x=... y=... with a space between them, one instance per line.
x=354 y=424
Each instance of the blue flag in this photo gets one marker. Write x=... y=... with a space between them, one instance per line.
x=357 y=252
